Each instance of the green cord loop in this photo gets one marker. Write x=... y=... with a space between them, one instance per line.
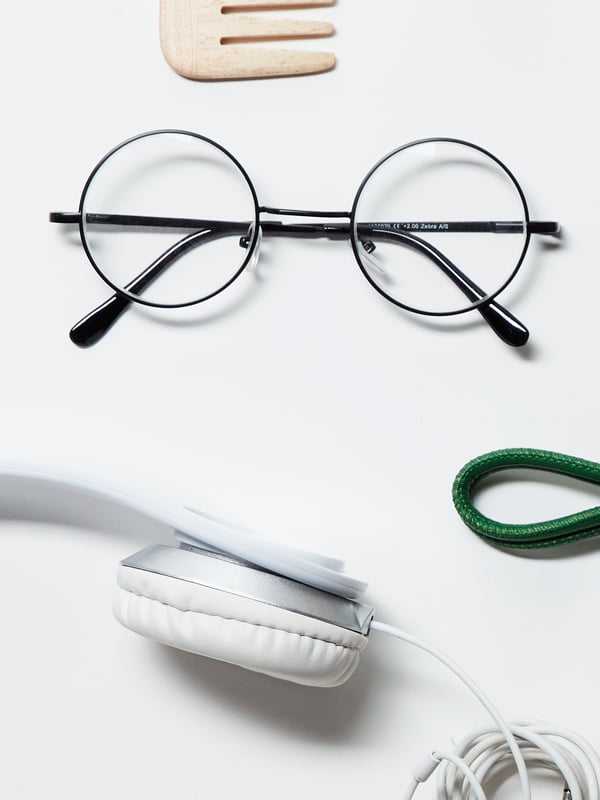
x=571 y=528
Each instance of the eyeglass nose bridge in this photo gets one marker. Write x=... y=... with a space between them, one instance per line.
x=295 y=212
x=277 y=228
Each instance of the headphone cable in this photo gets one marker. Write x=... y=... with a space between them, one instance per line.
x=480 y=754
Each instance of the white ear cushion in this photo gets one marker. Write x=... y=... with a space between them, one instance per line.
x=235 y=629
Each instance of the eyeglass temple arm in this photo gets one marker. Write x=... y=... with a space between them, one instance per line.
x=98 y=322
x=545 y=228
x=506 y=326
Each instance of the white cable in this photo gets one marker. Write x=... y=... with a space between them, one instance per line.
x=470 y=683
x=476 y=759
x=451 y=759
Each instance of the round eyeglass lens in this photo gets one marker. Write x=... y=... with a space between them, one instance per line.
x=163 y=216
x=439 y=226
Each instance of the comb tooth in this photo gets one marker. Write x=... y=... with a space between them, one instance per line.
x=237 y=29
x=258 y=5
x=268 y=62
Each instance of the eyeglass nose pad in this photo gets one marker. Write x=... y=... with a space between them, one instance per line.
x=245 y=242
x=371 y=261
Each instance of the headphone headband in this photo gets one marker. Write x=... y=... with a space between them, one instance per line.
x=201 y=531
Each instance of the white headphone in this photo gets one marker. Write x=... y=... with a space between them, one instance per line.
x=233 y=595
x=229 y=593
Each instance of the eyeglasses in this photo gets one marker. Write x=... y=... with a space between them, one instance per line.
x=170 y=218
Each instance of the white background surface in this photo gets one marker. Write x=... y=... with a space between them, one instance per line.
x=312 y=410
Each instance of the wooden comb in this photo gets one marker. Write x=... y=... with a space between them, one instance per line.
x=203 y=39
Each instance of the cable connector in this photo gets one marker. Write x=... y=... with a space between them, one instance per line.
x=425 y=769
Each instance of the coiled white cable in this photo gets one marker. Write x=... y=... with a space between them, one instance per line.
x=473 y=763
x=484 y=752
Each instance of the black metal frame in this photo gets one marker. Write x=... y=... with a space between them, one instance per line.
x=95 y=324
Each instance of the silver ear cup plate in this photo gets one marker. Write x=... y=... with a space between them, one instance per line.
x=221 y=572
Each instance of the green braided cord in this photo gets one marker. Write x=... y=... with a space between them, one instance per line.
x=571 y=528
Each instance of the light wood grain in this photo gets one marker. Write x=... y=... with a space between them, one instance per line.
x=203 y=39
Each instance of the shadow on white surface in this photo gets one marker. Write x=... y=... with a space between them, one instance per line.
x=299 y=712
